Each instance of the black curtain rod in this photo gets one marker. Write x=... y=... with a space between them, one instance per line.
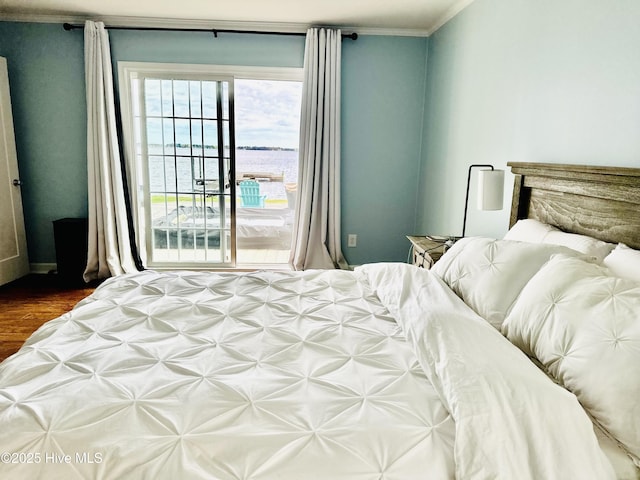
x=214 y=31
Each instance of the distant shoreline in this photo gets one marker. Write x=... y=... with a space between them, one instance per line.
x=275 y=149
x=214 y=147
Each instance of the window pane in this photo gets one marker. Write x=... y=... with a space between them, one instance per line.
x=195 y=99
x=154 y=133
x=169 y=173
x=181 y=98
x=184 y=174
x=207 y=176
x=209 y=100
x=183 y=136
x=167 y=98
x=196 y=136
x=168 y=141
x=152 y=98
x=210 y=128
x=157 y=180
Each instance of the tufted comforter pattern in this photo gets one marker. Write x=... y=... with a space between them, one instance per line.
x=306 y=375
x=225 y=376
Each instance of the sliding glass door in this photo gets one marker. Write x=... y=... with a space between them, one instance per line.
x=200 y=200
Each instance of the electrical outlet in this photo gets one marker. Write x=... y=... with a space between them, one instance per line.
x=352 y=240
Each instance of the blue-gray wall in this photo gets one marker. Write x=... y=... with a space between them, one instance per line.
x=46 y=79
x=382 y=105
x=383 y=96
x=526 y=80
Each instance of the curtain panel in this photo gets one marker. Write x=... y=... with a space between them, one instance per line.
x=109 y=250
x=316 y=234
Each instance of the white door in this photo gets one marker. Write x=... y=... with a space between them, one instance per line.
x=14 y=262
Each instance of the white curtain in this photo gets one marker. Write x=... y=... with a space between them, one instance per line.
x=109 y=245
x=316 y=228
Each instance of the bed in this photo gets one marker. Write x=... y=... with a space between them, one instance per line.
x=468 y=370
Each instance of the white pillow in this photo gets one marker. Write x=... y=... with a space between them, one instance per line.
x=583 y=326
x=597 y=249
x=488 y=274
x=624 y=262
x=533 y=231
x=529 y=230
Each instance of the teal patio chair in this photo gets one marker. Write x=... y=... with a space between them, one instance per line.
x=250 y=194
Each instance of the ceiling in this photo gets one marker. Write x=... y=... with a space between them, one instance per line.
x=411 y=17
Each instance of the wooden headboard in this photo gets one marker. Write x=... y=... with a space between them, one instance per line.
x=602 y=202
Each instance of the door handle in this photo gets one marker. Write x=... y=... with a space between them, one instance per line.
x=16 y=182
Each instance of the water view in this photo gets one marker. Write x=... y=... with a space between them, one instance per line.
x=162 y=169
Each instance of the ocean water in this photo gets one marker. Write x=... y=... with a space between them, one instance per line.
x=198 y=163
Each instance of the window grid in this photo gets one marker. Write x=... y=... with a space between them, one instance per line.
x=195 y=160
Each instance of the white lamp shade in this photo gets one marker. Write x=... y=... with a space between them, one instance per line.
x=490 y=189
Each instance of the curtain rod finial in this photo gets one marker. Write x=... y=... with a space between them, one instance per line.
x=67 y=26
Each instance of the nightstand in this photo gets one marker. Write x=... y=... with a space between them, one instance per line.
x=427 y=250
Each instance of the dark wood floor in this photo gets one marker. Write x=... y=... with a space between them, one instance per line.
x=31 y=301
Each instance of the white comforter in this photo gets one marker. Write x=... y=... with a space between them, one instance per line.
x=511 y=420
x=284 y=376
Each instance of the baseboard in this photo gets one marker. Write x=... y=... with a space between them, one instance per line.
x=42 y=268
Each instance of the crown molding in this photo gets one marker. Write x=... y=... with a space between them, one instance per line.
x=391 y=32
x=40 y=18
x=454 y=10
x=126 y=21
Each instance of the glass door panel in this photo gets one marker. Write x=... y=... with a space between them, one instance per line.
x=190 y=193
x=267 y=131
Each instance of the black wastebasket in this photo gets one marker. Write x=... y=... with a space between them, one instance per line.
x=71 y=239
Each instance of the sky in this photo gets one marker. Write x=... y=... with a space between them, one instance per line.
x=267 y=113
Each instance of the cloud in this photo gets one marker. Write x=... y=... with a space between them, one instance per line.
x=267 y=113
